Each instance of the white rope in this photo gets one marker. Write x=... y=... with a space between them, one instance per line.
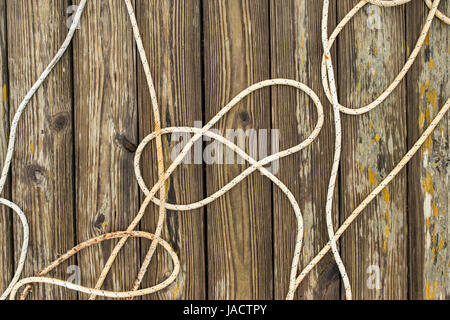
x=337 y=153
x=160 y=159
x=329 y=85
x=376 y=191
x=398 y=78
x=23 y=252
x=439 y=14
x=105 y=293
x=12 y=139
x=330 y=89
x=254 y=165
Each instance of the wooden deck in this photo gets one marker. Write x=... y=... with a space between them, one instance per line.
x=73 y=174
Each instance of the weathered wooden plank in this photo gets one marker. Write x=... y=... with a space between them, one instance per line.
x=239 y=235
x=6 y=238
x=371 y=52
x=428 y=89
x=296 y=54
x=105 y=138
x=42 y=165
x=239 y=226
x=171 y=33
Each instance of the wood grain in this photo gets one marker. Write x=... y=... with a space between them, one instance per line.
x=171 y=33
x=239 y=224
x=428 y=88
x=370 y=55
x=73 y=174
x=296 y=53
x=6 y=231
x=106 y=134
x=42 y=165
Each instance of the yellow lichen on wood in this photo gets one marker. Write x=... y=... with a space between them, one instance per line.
x=427 y=222
x=386 y=195
x=421 y=120
x=432 y=98
x=430 y=64
x=371 y=177
x=435 y=209
x=424 y=87
x=427 y=145
x=430 y=294
x=428 y=184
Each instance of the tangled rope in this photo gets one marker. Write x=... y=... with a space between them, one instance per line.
x=329 y=85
